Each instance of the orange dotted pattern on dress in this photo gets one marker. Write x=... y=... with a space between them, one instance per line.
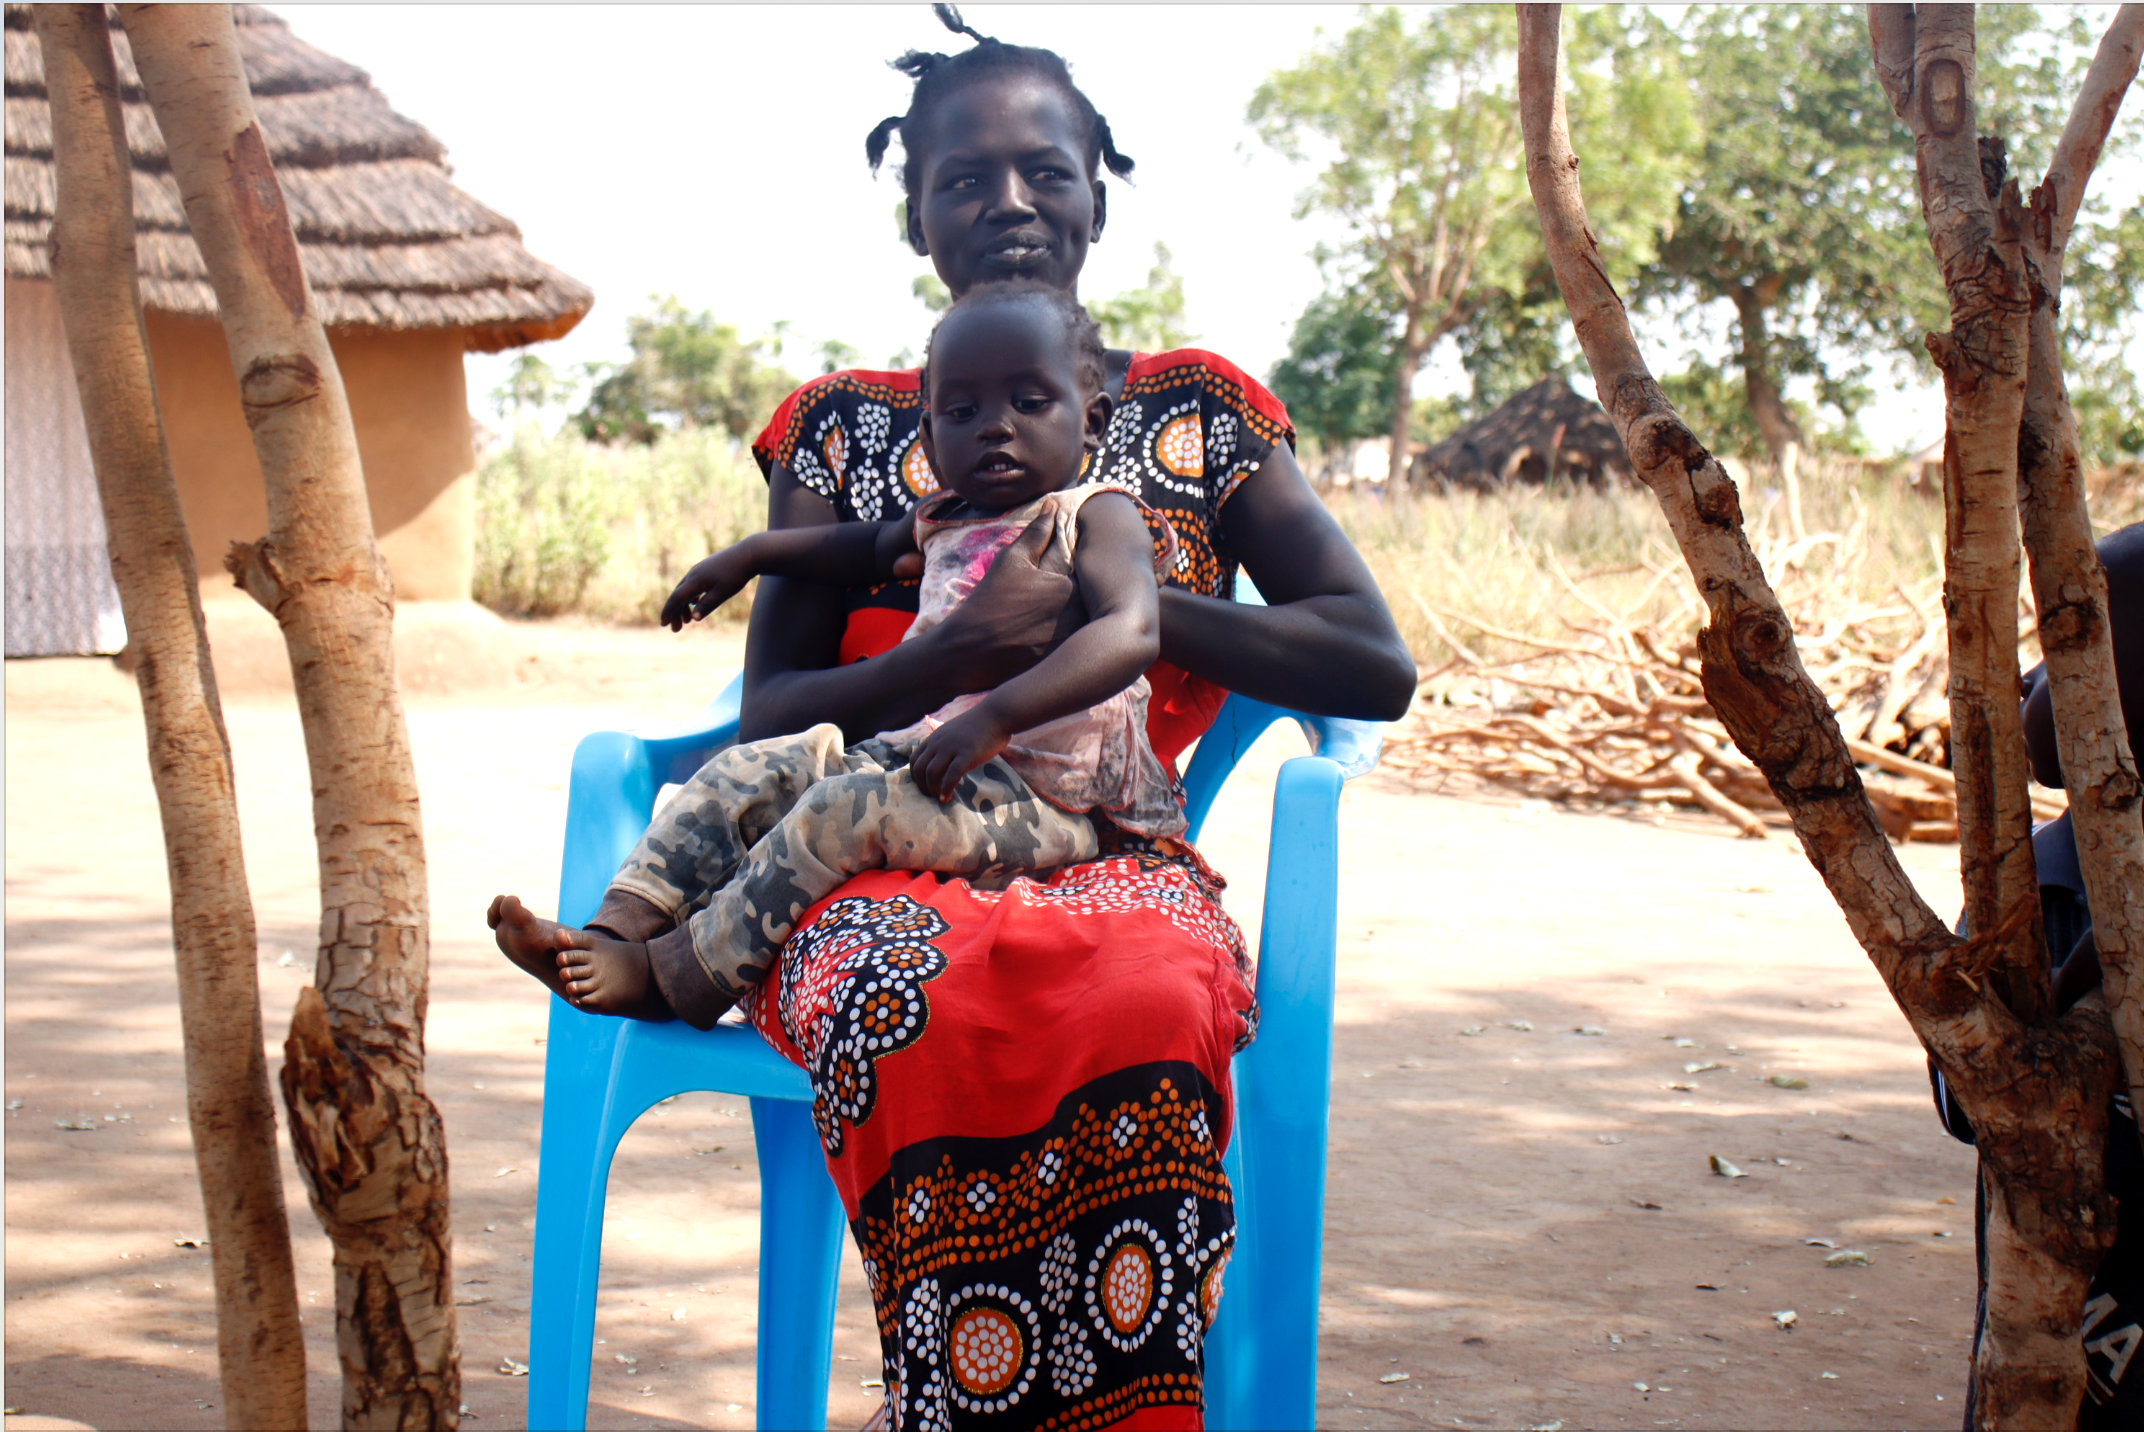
x=837 y=452
x=1166 y=1389
x=917 y=474
x=987 y=1350
x=1055 y=1277
x=936 y=1226
x=854 y=438
x=1181 y=447
x=1128 y=1288
x=1198 y=566
x=1210 y=1288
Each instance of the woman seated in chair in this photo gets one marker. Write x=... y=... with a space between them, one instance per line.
x=1023 y=1088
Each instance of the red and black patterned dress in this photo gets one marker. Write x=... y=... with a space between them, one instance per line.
x=1023 y=1093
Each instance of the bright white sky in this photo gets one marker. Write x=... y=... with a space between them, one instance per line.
x=716 y=153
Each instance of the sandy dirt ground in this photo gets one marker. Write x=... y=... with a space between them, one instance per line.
x=1522 y=1217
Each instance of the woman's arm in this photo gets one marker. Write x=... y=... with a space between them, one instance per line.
x=1022 y=608
x=1325 y=644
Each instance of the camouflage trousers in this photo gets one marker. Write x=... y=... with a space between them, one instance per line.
x=764 y=831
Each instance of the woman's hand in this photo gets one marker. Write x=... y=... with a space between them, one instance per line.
x=1024 y=606
x=955 y=749
x=793 y=676
x=711 y=582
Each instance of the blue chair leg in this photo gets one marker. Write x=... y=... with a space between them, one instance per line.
x=572 y=1182
x=1231 y=1350
x=1269 y=1357
x=800 y=1229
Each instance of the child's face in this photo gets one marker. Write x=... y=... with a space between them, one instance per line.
x=1007 y=418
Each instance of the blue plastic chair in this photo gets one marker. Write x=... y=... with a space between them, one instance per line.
x=600 y=1074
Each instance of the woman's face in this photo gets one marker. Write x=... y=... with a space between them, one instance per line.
x=1004 y=191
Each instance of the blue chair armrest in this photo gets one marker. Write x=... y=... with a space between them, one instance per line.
x=611 y=794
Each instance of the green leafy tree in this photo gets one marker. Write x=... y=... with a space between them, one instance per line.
x=835 y=355
x=531 y=386
x=1148 y=319
x=931 y=292
x=1337 y=376
x=686 y=371
x=1416 y=124
x=1802 y=212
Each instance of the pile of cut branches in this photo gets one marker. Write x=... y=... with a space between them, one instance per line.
x=1611 y=712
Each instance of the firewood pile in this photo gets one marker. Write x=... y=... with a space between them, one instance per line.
x=1611 y=711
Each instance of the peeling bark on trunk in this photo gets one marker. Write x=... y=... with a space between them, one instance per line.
x=367 y=1138
x=2035 y=1087
x=260 y=1345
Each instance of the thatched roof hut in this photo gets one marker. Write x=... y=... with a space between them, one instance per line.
x=389 y=243
x=409 y=274
x=1546 y=433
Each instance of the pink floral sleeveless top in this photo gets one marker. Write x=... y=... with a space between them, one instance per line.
x=1094 y=760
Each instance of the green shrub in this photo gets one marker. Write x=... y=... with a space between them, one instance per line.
x=566 y=525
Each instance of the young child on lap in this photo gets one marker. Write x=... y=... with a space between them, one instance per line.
x=1006 y=782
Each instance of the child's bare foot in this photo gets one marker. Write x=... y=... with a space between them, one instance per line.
x=605 y=976
x=532 y=942
x=587 y=969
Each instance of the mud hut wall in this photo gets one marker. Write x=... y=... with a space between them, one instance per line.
x=409 y=404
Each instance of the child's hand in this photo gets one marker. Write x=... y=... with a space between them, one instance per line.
x=955 y=749
x=711 y=582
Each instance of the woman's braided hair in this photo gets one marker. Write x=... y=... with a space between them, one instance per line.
x=937 y=76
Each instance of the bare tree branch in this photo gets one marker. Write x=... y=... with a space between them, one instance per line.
x=2036 y=1093
x=1891 y=42
x=2076 y=154
x=1774 y=710
x=2069 y=586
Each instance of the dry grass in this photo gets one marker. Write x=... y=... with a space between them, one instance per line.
x=566 y=525
x=1556 y=632
x=1529 y=560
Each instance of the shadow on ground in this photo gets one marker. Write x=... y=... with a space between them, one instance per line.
x=1487 y=1233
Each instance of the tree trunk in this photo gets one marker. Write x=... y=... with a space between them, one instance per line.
x=1766 y=406
x=1783 y=437
x=2036 y=1092
x=368 y=1139
x=1410 y=363
x=1975 y=225
x=260 y=1346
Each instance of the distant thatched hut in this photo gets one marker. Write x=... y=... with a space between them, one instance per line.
x=1546 y=433
x=409 y=273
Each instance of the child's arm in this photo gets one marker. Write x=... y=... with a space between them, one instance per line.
x=843 y=554
x=1113 y=567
